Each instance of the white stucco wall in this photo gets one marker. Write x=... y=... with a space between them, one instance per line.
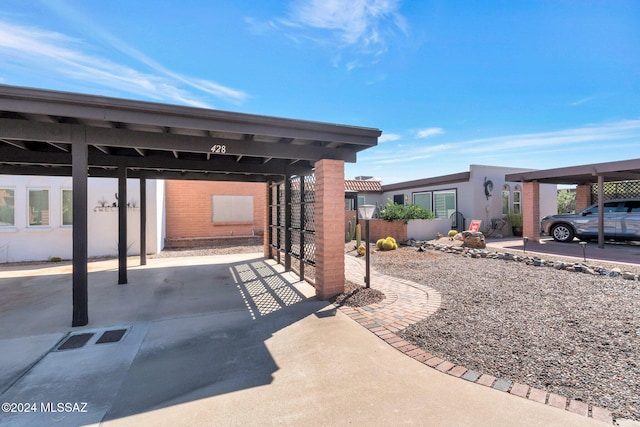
x=22 y=242
x=474 y=203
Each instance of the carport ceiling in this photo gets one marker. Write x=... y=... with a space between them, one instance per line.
x=585 y=174
x=159 y=141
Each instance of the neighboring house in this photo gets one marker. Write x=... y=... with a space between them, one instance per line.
x=199 y=213
x=36 y=220
x=358 y=192
x=481 y=193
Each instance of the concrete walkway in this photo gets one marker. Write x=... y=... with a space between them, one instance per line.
x=224 y=340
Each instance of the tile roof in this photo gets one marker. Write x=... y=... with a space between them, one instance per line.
x=362 y=185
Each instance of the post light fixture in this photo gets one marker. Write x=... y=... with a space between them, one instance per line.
x=584 y=251
x=366 y=213
x=525 y=240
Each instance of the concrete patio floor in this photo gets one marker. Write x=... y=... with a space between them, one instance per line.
x=220 y=340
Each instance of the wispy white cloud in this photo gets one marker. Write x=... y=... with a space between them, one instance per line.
x=386 y=137
x=582 y=101
x=429 y=132
x=64 y=56
x=624 y=133
x=362 y=27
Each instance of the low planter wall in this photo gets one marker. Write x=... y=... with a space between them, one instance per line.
x=381 y=229
x=418 y=229
x=426 y=229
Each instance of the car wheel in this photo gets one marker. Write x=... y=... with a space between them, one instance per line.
x=562 y=233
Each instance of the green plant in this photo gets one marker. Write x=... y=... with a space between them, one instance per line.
x=452 y=233
x=393 y=211
x=566 y=201
x=358 y=235
x=351 y=231
x=514 y=219
x=55 y=259
x=387 y=244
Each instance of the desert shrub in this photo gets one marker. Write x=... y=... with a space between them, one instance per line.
x=393 y=211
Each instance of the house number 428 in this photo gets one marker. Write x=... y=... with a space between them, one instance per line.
x=219 y=148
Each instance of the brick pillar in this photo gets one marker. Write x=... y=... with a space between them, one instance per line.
x=329 y=224
x=531 y=211
x=583 y=197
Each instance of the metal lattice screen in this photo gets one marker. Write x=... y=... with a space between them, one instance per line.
x=292 y=222
x=617 y=190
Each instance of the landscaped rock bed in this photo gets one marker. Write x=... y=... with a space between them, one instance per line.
x=357 y=296
x=570 y=333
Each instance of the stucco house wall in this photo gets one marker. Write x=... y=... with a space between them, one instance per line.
x=478 y=196
x=23 y=242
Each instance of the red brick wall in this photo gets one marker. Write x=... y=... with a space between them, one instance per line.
x=531 y=211
x=381 y=229
x=189 y=208
x=583 y=197
x=329 y=232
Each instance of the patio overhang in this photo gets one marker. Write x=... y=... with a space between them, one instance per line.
x=50 y=133
x=580 y=175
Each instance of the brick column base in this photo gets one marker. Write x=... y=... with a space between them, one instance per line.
x=583 y=197
x=329 y=224
x=531 y=211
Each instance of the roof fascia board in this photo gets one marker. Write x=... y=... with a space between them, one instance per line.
x=438 y=180
x=579 y=172
x=89 y=107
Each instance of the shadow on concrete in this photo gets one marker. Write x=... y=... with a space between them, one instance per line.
x=200 y=329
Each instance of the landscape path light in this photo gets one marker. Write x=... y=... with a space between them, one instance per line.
x=524 y=244
x=366 y=213
x=584 y=251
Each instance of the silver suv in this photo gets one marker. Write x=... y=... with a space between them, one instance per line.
x=621 y=222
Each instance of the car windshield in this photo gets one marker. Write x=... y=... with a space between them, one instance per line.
x=609 y=207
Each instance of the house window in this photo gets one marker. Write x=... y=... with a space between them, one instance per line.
x=517 y=200
x=506 y=199
x=38 y=207
x=398 y=199
x=7 y=208
x=424 y=200
x=67 y=207
x=232 y=209
x=360 y=200
x=444 y=203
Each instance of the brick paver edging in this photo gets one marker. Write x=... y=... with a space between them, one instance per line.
x=408 y=302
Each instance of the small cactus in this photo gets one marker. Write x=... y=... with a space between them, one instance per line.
x=362 y=250
x=358 y=236
x=387 y=244
x=451 y=234
x=351 y=230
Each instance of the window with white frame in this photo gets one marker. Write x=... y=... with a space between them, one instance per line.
x=506 y=199
x=424 y=200
x=360 y=200
x=38 y=207
x=517 y=200
x=444 y=203
x=67 y=207
x=7 y=207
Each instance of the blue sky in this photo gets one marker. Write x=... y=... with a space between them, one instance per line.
x=534 y=84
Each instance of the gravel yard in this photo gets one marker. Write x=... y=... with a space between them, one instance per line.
x=569 y=333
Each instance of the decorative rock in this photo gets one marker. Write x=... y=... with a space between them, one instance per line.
x=475 y=240
x=559 y=265
x=628 y=276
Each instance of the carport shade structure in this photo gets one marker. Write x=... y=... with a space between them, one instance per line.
x=580 y=175
x=55 y=133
